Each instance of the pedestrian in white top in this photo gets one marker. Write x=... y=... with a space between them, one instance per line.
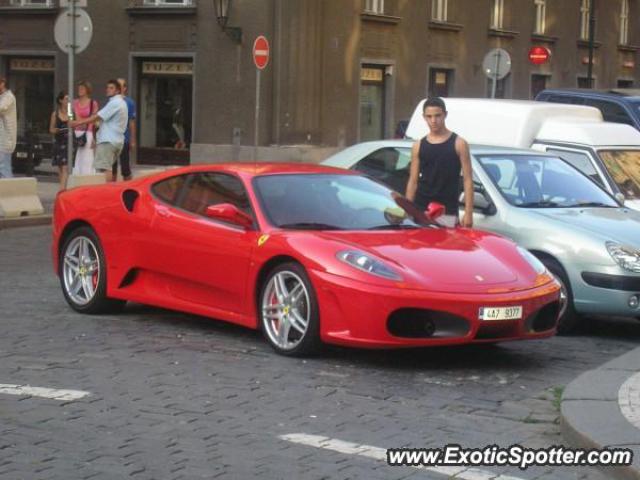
x=110 y=138
x=8 y=128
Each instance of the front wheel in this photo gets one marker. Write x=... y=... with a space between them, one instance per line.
x=289 y=311
x=568 y=317
x=83 y=276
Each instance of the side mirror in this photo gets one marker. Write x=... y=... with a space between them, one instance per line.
x=229 y=213
x=434 y=210
x=619 y=197
x=480 y=203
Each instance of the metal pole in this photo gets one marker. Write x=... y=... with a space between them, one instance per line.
x=592 y=36
x=257 y=119
x=72 y=52
x=494 y=85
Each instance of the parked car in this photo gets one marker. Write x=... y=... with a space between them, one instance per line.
x=616 y=105
x=30 y=151
x=579 y=231
x=609 y=153
x=304 y=252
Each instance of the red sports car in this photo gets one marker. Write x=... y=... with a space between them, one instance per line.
x=308 y=254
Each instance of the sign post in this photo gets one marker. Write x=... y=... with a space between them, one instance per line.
x=261 y=60
x=496 y=66
x=72 y=31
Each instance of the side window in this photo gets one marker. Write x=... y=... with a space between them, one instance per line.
x=168 y=189
x=379 y=162
x=208 y=189
x=581 y=161
x=611 y=112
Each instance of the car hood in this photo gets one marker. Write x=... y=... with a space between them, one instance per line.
x=445 y=260
x=618 y=224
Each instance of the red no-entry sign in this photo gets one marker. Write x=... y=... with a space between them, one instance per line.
x=539 y=55
x=261 y=52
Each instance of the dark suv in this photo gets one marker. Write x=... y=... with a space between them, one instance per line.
x=617 y=105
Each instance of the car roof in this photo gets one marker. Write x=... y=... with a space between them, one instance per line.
x=254 y=169
x=613 y=93
x=520 y=123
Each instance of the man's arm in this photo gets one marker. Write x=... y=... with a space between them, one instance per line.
x=5 y=103
x=85 y=121
x=462 y=149
x=132 y=133
x=414 y=172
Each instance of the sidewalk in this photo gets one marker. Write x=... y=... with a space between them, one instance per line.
x=601 y=409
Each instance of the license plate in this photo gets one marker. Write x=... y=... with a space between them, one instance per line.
x=21 y=154
x=500 y=313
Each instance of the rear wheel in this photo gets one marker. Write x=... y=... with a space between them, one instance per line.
x=289 y=311
x=83 y=276
x=568 y=317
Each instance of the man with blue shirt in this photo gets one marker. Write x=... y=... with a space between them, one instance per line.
x=129 y=135
x=110 y=137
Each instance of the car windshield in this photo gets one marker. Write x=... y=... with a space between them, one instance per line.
x=531 y=181
x=624 y=168
x=334 y=202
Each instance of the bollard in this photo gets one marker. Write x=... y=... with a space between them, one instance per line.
x=19 y=197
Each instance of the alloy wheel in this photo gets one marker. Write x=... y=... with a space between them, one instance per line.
x=286 y=310
x=81 y=270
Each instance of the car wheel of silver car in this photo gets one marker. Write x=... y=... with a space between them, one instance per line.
x=82 y=272
x=568 y=318
x=289 y=311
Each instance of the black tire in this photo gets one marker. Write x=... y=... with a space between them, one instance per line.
x=99 y=303
x=569 y=319
x=309 y=343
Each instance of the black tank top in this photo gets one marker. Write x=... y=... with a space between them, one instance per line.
x=439 y=179
x=60 y=137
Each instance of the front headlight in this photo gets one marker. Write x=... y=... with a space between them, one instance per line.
x=367 y=263
x=627 y=257
x=537 y=265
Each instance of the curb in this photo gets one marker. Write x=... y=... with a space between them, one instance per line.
x=591 y=416
x=29 y=221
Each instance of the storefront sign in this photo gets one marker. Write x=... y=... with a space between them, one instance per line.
x=167 y=68
x=31 y=65
x=371 y=75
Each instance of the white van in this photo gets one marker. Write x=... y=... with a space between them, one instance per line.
x=607 y=152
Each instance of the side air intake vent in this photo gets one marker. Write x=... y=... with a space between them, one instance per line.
x=129 y=198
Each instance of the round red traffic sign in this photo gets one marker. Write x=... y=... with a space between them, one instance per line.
x=539 y=55
x=261 y=52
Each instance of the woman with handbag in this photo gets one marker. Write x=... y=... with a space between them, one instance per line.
x=59 y=128
x=84 y=107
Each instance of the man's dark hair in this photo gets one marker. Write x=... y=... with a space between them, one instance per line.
x=115 y=84
x=434 y=102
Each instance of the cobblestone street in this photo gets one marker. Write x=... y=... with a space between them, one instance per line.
x=174 y=396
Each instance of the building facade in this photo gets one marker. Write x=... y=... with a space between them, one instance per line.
x=341 y=71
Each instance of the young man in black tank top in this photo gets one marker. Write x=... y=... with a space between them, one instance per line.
x=436 y=163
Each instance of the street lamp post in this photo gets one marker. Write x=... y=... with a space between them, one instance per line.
x=592 y=36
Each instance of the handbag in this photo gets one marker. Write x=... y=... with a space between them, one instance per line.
x=81 y=140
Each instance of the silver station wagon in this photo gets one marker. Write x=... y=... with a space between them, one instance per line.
x=581 y=233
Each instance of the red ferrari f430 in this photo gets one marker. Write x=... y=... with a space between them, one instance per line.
x=307 y=254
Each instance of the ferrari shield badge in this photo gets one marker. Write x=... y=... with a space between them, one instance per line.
x=262 y=240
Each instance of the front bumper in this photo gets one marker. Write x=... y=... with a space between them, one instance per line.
x=606 y=294
x=357 y=314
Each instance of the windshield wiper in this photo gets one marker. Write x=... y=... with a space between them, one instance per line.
x=540 y=204
x=591 y=204
x=391 y=226
x=310 y=226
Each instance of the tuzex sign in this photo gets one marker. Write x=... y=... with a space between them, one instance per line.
x=261 y=52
